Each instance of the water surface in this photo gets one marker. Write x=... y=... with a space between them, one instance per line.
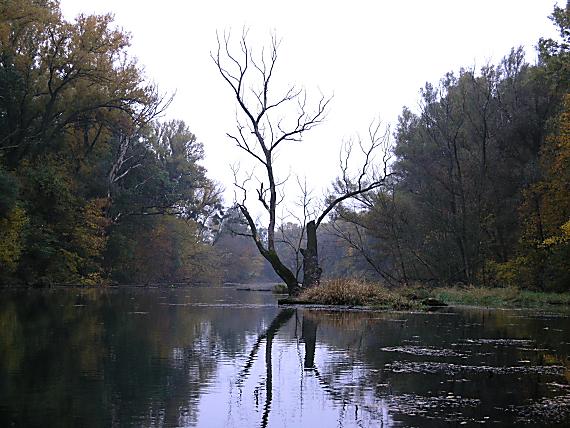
x=221 y=357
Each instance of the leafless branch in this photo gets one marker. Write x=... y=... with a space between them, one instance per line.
x=368 y=178
x=351 y=233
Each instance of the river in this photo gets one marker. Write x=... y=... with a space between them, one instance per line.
x=222 y=357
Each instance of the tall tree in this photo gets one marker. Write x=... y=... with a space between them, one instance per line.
x=83 y=160
x=265 y=124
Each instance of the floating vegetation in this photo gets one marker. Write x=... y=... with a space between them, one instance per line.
x=447 y=408
x=503 y=342
x=558 y=385
x=533 y=349
x=555 y=410
x=451 y=369
x=221 y=305
x=424 y=351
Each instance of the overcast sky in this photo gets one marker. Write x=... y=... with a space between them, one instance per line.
x=373 y=56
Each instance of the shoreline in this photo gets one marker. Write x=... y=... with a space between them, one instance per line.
x=399 y=299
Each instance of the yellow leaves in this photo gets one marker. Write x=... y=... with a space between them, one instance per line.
x=21 y=22
x=90 y=233
x=25 y=13
x=556 y=162
x=11 y=236
x=552 y=241
x=546 y=204
x=93 y=279
x=94 y=215
x=513 y=273
x=545 y=239
x=561 y=239
x=559 y=159
x=65 y=73
x=566 y=229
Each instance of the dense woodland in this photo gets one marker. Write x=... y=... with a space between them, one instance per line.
x=96 y=189
x=481 y=192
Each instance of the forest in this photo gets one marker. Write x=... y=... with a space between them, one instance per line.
x=97 y=189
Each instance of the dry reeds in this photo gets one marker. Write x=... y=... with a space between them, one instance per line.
x=351 y=292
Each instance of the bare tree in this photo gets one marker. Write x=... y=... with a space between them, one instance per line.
x=262 y=126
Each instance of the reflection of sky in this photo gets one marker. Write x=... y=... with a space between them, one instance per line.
x=299 y=399
x=365 y=379
x=130 y=358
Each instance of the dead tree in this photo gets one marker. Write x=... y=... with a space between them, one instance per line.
x=262 y=126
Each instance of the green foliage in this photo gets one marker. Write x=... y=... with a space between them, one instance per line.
x=83 y=161
x=555 y=54
x=480 y=194
x=159 y=249
x=545 y=211
x=501 y=297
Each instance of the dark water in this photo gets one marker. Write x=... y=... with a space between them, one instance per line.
x=228 y=358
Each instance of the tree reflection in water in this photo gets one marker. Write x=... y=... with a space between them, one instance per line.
x=309 y=331
x=215 y=357
x=338 y=393
x=281 y=319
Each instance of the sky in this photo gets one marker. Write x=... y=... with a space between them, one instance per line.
x=371 y=56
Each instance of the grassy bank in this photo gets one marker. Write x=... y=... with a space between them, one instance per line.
x=509 y=297
x=357 y=293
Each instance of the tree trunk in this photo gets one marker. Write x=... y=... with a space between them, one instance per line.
x=283 y=272
x=311 y=269
x=271 y=256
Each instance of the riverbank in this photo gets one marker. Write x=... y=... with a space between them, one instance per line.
x=357 y=293
x=508 y=297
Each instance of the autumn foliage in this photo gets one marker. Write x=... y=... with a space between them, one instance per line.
x=91 y=184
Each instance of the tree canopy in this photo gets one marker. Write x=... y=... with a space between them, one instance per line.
x=480 y=194
x=94 y=187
